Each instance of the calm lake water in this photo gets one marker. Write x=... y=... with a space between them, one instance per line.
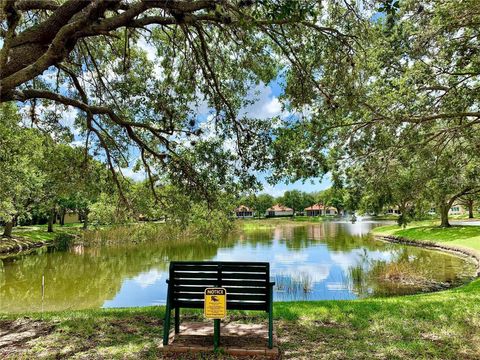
x=329 y=260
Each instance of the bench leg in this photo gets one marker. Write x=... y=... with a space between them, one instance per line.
x=166 y=324
x=270 y=319
x=177 y=320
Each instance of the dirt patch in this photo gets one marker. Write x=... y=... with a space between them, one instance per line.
x=327 y=324
x=15 y=334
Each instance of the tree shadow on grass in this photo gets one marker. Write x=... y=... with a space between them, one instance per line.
x=15 y=334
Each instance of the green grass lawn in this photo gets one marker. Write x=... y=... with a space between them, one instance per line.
x=467 y=236
x=443 y=325
x=312 y=218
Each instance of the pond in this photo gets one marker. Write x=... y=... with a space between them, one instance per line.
x=311 y=261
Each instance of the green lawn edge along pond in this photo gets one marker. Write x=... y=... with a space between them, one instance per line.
x=28 y=237
x=441 y=325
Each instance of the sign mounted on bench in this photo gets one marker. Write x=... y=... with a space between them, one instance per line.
x=215 y=303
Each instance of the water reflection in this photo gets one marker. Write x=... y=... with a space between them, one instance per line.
x=330 y=260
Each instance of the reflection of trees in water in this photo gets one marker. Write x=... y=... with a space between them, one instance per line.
x=336 y=236
x=2 y=276
x=421 y=268
x=83 y=281
x=84 y=277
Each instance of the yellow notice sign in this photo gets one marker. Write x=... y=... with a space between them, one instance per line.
x=215 y=303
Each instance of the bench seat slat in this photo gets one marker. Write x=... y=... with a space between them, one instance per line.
x=223 y=263
x=242 y=276
x=197 y=267
x=199 y=282
x=214 y=276
x=241 y=282
x=208 y=267
x=230 y=290
x=195 y=275
x=245 y=297
x=196 y=304
x=243 y=268
x=214 y=282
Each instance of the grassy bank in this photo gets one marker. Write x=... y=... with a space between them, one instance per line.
x=27 y=237
x=444 y=325
x=466 y=236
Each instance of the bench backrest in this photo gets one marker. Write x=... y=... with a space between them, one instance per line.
x=247 y=283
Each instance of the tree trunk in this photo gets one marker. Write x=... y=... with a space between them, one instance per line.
x=470 y=209
x=7 y=232
x=85 y=220
x=63 y=212
x=444 y=208
x=50 y=220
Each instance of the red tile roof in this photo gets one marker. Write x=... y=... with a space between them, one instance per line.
x=315 y=207
x=278 y=207
x=243 y=208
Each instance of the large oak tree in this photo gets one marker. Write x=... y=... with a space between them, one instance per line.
x=139 y=71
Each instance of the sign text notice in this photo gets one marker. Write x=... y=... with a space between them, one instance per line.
x=215 y=303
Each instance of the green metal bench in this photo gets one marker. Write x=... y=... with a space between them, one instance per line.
x=247 y=283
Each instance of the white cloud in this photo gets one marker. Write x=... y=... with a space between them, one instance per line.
x=149 y=278
x=289 y=258
x=266 y=105
x=275 y=191
x=67 y=119
x=135 y=175
x=152 y=56
x=274 y=107
x=78 y=143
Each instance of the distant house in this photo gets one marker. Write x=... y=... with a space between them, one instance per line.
x=243 y=212
x=279 y=210
x=393 y=211
x=69 y=217
x=315 y=210
x=457 y=209
x=320 y=210
x=330 y=210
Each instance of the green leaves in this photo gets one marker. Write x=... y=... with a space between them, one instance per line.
x=20 y=176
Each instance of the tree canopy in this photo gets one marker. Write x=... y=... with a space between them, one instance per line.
x=383 y=95
x=137 y=71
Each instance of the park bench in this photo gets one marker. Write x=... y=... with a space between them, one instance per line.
x=247 y=284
